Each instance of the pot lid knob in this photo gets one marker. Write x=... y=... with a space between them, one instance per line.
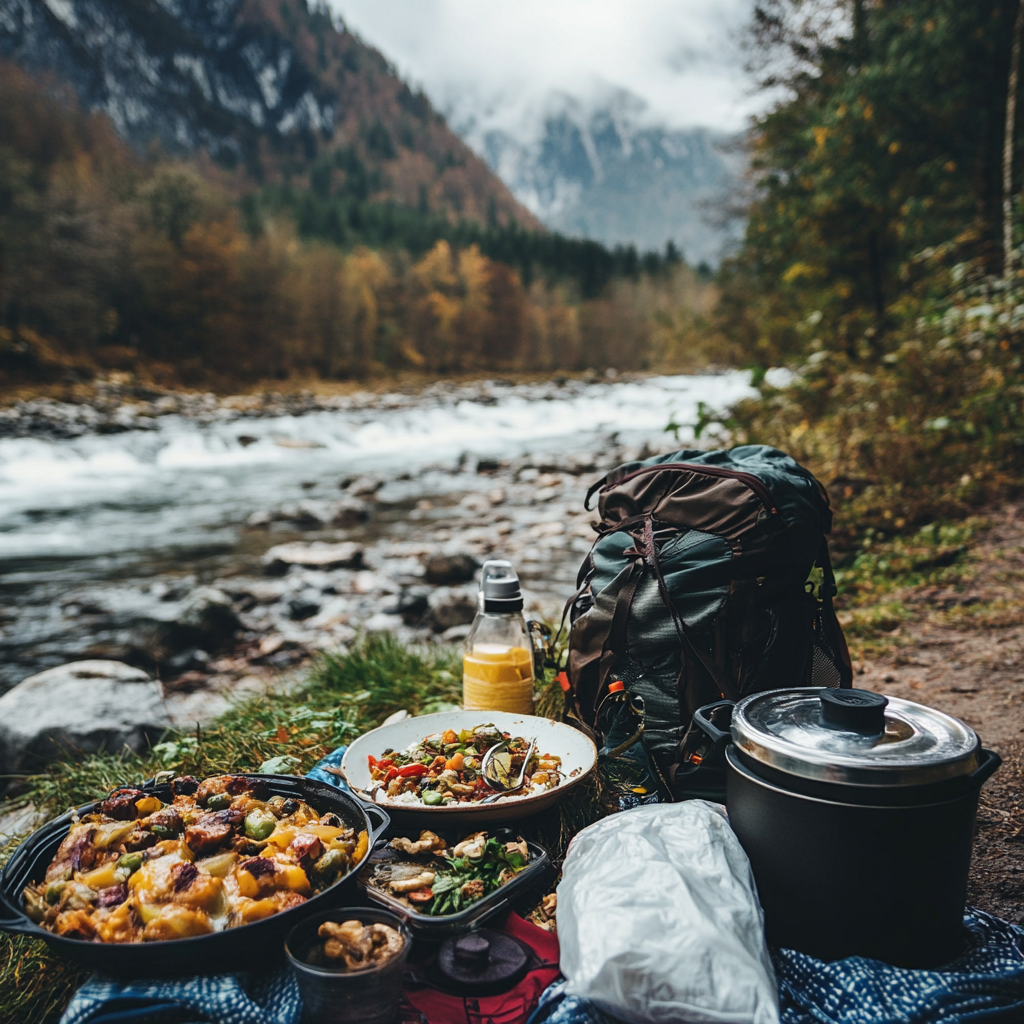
x=472 y=951
x=482 y=962
x=857 y=710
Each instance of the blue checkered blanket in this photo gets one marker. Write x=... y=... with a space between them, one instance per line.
x=984 y=986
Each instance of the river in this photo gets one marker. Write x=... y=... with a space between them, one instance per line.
x=97 y=530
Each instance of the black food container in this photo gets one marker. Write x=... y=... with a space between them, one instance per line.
x=537 y=873
x=857 y=813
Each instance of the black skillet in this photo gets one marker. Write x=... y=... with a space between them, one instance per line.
x=233 y=949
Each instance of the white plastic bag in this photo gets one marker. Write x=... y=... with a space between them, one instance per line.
x=659 y=922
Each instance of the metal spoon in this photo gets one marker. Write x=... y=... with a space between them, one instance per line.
x=495 y=783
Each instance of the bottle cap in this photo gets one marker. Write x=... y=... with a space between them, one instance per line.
x=499 y=587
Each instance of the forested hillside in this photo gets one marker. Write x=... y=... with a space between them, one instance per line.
x=109 y=260
x=261 y=88
x=882 y=256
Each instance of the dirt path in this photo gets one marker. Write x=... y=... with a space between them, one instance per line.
x=964 y=654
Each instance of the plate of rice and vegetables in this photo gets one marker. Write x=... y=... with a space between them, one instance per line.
x=434 y=765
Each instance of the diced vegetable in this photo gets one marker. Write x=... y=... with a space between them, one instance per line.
x=101 y=877
x=259 y=824
x=53 y=892
x=431 y=797
x=362 y=845
x=218 y=866
x=329 y=864
x=296 y=879
x=112 y=833
x=219 y=801
x=130 y=862
x=147 y=805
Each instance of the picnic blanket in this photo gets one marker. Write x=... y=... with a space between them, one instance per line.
x=984 y=986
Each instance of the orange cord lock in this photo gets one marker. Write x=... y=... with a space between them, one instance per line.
x=563 y=681
x=616 y=686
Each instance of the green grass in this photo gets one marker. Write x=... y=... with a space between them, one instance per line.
x=342 y=697
x=877 y=580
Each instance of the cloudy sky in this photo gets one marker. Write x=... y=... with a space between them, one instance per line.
x=496 y=63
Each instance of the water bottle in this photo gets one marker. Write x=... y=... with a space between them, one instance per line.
x=497 y=668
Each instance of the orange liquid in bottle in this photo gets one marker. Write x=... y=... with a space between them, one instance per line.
x=498 y=678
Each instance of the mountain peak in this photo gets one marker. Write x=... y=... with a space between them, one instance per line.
x=262 y=86
x=603 y=168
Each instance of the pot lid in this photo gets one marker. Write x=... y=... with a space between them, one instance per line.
x=482 y=961
x=853 y=737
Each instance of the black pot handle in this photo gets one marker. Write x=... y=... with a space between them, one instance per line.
x=384 y=821
x=990 y=761
x=15 y=921
x=704 y=719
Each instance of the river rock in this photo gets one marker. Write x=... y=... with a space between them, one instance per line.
x=347 y=511
x=302 y=607
x=364 y=486
x=318 y=555
x=81 y=707
x=450 y=606
x=446 y=569
x=207 y=614
x=413 y=603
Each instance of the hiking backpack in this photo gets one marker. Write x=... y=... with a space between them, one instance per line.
x=710 y=580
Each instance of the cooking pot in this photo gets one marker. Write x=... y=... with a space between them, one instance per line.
x=857 y=813
x=228 y=950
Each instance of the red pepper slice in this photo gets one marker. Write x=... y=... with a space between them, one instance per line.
x=420 y=895
x=392 y=774
x=412 y=771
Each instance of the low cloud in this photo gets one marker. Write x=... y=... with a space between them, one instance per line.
x=492 y=64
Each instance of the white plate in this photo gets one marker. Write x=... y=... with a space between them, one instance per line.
x=576 y=750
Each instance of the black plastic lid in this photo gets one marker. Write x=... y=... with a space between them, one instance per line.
x=482 y=961
x=499 y=586
x=856 y=710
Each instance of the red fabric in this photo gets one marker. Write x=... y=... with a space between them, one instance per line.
x=512 y=1007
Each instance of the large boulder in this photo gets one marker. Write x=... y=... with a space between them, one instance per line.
x=84 y=706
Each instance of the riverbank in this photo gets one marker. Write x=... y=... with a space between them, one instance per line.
x=118 y=403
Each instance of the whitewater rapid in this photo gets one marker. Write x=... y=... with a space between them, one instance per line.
x=104 y=500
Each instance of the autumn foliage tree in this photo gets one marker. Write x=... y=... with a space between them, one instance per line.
x=110 y=261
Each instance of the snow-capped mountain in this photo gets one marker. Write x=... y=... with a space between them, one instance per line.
x=603 y=171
